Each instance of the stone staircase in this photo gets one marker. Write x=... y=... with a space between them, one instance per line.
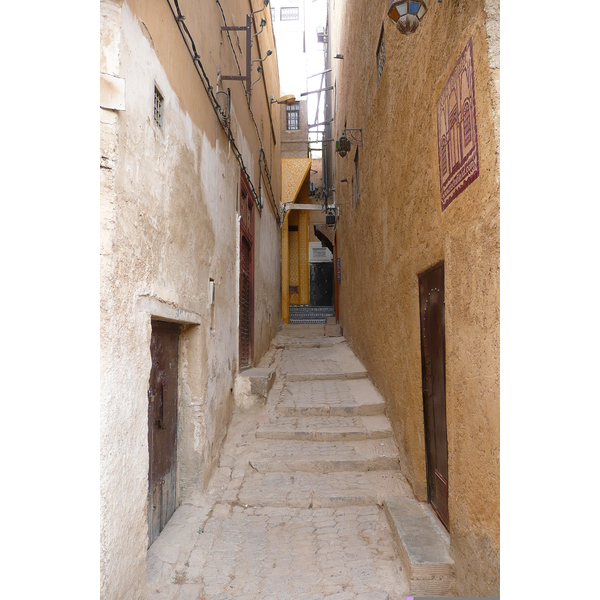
x=325 y=441
x=310 y=315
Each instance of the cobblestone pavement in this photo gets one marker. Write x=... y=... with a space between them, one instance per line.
x=293 y=512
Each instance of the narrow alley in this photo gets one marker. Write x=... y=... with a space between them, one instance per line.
x=299 y=299
x=295 y=509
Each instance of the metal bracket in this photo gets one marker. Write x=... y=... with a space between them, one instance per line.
x=356 y=138
x=248 y=29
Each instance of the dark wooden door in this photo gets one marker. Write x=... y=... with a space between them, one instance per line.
x=321 y=284
x=245 y=299
x=433 y=365
x=162 y=426
x=246 y=275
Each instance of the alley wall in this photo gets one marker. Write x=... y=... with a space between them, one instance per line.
x=169 y=202
x=397 y=230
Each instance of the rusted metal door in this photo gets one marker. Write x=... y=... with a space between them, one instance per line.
x=246 y=276
x=162 y=426
x=433 y=364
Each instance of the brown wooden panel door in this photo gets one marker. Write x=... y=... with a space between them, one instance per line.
x=246 y=275
x=162 y=426
x=433 y=364
x=245 y=299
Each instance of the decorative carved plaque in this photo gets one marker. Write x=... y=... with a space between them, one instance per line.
x=457 y=130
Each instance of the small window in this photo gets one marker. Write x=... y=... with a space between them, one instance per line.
x=356 y=181
x=291 y=13
x=293 y=116
x=272 y=13
x=158 y=107
x=380 y=55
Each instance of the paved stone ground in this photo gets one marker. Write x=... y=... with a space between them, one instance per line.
x=293 y=512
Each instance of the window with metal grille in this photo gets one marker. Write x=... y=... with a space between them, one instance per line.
x=380 y=55
x=158 y=107
x=293 y=116
x=291 y=13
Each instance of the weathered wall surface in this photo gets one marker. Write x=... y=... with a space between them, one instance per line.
x=291 y=139
x=316 y=217
x=169 y=223
x=267 y=277
x=398 y=230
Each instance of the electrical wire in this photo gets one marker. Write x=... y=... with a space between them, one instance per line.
x=248 y=102
x=222 y=117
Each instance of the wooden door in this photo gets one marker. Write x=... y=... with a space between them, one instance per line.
x=246 y=275
x=162 y=426
x=245 y=298
x=433 y=365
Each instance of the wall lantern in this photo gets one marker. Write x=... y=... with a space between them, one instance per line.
x=343 y=145
x=330 y=218
x=406 y=14
x=288 y=99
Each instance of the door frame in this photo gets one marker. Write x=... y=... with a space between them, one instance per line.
x=158 y=324
x=247 y=234
x=428 y=406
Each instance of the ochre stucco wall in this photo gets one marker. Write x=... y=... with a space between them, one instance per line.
x=169 y=222
x=398 y=230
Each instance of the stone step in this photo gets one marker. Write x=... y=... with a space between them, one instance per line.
x=252 y=386
x=322 y=410
x=337 y=398
x=312 y=311
x=306 y=321
x=325 y=376
x=326 y=428
x=333 y=330
x=291 y=331
x=322 y=490
x=325 y=457
x=309 y=308
x=336 y=362
x=423 y=546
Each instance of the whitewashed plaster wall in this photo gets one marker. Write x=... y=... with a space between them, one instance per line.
x=168 y=224
x=267 y=280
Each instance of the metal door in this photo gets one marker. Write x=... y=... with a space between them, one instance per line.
x=433 y=364
x=162 y=426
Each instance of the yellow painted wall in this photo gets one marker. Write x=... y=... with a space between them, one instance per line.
x=285 y=272
x=294 y=259
x=294 y=244
x=398 y=230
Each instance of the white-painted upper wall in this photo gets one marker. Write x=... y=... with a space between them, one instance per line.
x=299 y=52
x=291 y=45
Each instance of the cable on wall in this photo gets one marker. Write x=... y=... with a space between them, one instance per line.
x=239 y=69
x=222 y=117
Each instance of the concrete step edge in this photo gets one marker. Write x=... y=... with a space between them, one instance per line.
x=318 y=464
x=322 y=410
x=422 y=549
x=326 y=428
x=324 y=376
x=322 y=436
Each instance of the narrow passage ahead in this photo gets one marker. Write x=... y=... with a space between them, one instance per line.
x=294 y=510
